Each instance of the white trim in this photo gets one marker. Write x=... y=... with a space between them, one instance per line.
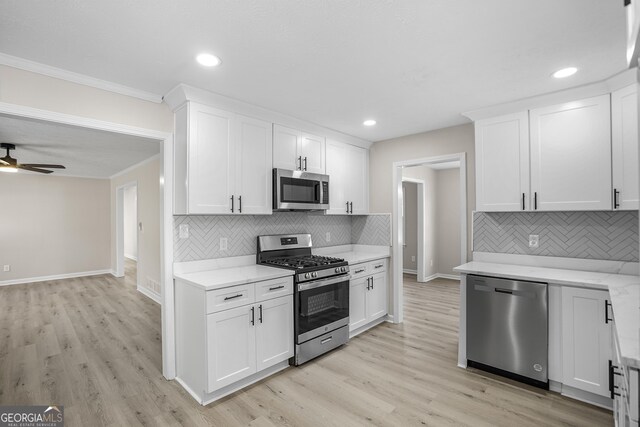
x=131 y=257
x=55 y=277
x=409 y=271
x=119 y=237
x=70 y=76
x=137 y=165
x=166 y=214
x=448 y=276
x=396 y=173
x=150 y=294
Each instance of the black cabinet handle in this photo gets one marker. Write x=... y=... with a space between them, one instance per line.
x=359 y=271
x=276 y=287
x=522 y=201
x=253 y=315
x=351 y=203
x=300 y=161
x=372 y=282
x=347 y=207
x=240 y=203
x=305 y=163
x=611 y=378
x=233 y=297
x=606 y=311
x=535 y=201
x=231 y=203
x=260 y=316
x=368 y=283
x=616 y=193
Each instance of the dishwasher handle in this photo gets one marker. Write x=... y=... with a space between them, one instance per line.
x=504 y=291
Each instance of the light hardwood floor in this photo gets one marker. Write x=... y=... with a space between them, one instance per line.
x=93 y=345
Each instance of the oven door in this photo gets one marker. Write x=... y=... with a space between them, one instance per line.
x=321 y=306
x=297 y=190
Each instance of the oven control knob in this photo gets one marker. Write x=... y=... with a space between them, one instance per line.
x=314 y=274
x=343 y=269
x=307 y=275
x=337 y=269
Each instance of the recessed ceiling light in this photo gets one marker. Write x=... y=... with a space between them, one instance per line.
x=208 y=60
x=369 y=122
x=565 y=72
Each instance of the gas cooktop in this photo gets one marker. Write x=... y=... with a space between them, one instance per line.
x=303 y=261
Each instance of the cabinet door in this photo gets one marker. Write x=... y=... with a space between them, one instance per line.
x=624 y=144
x=285 y=148
x=253 y=166
x=502 y=163
x=211 y=160
x=312 y=150
x=274 y=331
x=338 y=182
x=571 y=155
x=377 y=297
x=586 y=349
x=357 y=168
x=357 y=303
x=231 y=346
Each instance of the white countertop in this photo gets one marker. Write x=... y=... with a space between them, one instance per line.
x=355 y=254
x=225 y=277
x=624 y=291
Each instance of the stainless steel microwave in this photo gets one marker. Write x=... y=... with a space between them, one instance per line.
x=300 y=191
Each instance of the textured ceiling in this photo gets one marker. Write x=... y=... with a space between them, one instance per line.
x=84 y=152
x=413 y=65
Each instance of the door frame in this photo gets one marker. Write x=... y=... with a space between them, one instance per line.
x=165 y=141
x=396 y=191
x=119 y=237
x=421 y=188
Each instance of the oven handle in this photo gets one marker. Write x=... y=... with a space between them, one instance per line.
x=323 y=282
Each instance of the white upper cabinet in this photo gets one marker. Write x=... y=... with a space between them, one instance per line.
x=571 y=156
x=296 y=150
x=222 y=162
x=348 y=170
x=624 y=147
x=502 y=163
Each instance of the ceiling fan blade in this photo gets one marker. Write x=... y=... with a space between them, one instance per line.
x=38 y=165
x=32 y=169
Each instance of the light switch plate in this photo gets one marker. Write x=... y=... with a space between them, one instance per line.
x=184 y=231
x=413 y=258
x=7 y=267
x=534 y=240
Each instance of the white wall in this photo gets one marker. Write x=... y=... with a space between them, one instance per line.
x=130 y=217
x=52 y=225
x=447 y=232
x=147 y=177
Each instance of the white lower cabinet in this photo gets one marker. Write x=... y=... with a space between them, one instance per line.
x=367 y=293
x=230 y=337
x=586 y=349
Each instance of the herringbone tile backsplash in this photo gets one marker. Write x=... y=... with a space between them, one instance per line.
x=241 y=231
x=594 y=235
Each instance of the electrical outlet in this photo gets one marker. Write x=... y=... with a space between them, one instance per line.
x=6 y=268
x=184 y=231
x=413 y=258
x=223 y=243
x=534 y=240
x=328 y=237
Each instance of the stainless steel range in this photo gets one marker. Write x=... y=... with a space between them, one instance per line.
x=321 y=293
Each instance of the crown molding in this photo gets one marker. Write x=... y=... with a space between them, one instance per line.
x=70 y=76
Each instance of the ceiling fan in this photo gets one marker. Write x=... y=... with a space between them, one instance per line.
x=9 y=164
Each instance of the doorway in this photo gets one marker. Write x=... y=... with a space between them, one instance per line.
x=130 y=228
x=425 y=268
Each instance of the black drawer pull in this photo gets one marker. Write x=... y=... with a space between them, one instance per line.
x=233 y=297
x=359 y=271
x=379 y=266
x=276 y=287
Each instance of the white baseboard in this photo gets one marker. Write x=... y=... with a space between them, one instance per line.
x=150 y=294
x=131 y=257
x=441 y=276
x=408 y=271
x=54 y=277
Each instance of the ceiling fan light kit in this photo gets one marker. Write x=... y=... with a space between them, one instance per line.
x=10 y=164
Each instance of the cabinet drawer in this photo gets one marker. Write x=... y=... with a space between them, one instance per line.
x=274 y=288
x=226 y=298
x=359 y=270
x=379 y=266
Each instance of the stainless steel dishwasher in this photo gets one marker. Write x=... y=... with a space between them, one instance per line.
x=507 y=328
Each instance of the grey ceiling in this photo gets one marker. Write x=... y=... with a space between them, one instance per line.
x=84 y=152
x=413 y=65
